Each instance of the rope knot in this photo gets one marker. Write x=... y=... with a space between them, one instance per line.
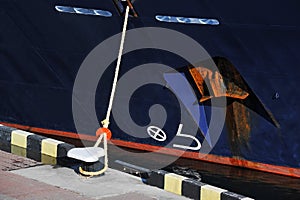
x=105 y=123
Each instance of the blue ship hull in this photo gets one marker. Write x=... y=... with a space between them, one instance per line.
x=255 y=45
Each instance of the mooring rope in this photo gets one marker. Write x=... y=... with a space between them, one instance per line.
x=105 y=122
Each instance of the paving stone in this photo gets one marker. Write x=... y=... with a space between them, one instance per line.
x=10 y=162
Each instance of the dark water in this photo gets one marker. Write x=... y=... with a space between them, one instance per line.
x=255 y=184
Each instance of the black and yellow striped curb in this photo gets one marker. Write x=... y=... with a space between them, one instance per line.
x=47 y=151
x=32 y=146
x=189 y=187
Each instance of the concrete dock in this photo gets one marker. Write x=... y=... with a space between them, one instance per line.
x=57 y=177
x=24 y=179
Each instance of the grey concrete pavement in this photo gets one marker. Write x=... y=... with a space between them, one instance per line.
x=113 y=185
x=25 y=179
